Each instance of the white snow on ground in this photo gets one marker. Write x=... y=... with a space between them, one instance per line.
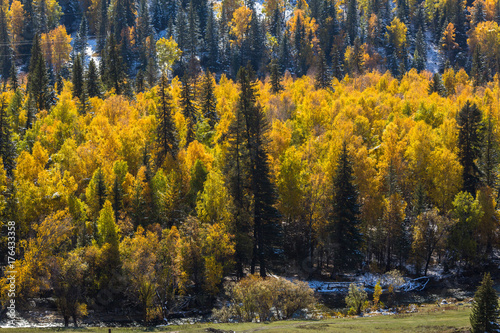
x=433 y=56
x=90 y=51
x=368 y=281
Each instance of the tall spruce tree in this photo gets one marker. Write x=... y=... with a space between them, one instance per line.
x=165 y=132
x=77 y=77
x=5 y=47
x=92 y=80
x=114 y=75
x=102 y=25
x=470 y=136
x=489 y=160
x=14 y=81
x=38 y=77
x=322 y=80
x=485 y=309
x=344 y=219
x=275 y=76
x=80 y=43
x=188 y=107
x=208 y=102
x=7 y=148
x=211 y=41
x=351 y=22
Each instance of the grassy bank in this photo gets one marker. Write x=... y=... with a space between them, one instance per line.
x=428 y=319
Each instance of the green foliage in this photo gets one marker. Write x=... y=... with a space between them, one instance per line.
x=485 y=310
x=356 y=298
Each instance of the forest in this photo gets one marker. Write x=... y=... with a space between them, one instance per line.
x=151 y=151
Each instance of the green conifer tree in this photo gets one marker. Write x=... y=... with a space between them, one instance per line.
x=470 y=138
x=485 y=310
x=344 y=219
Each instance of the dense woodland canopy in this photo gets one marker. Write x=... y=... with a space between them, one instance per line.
x=206 y=140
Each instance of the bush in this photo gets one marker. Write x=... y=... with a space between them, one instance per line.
x=266 y=299
x=356 y=299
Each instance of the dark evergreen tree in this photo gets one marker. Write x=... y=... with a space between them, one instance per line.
x=479 y=72
x=5 y=47
x=275 y=76
x=193 y=33
x=337 y=61
x=159 y=18
x=80 y=43
x=436 y=85
x=7 y=147
x=421 y=46
x=114 y=70
x=208 y=102
x=165 y=133
x=284 y=53
x=100 y=189
x=143 y=31
x=211 y=41
x=38 y=78
x=102 y=25
x=40 y=16
x=252 y=127
x=188 y=108
x=322 y=72
x=256 y=39
x=351 y=23
x=489 y=155
x=59 y=83
x=92 y=80
x=77 y=77
x=470 y=136
x=14 y=82
x=344 y=219
x=485 y=310
x=181 y=31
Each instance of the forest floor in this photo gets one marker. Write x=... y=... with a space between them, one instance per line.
x=429 y=318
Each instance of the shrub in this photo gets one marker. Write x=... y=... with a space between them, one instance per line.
x=265 y=298
x=355 y=299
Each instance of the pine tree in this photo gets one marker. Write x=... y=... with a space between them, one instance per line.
x=14 y=82
x=256 y=38
x=420 y=46
x=352 y=20
x=470 y=136
x=38 y=77
x=166 y=134
x=80 y=43
x=489 y=161
x=436 y=85
x=322 y=76
x=92 y=80
x=193 y=33
x=102 y=25
x=211 y=41
x=284 y=53
x=188 y=107
x=478 y=70
x=275 y=77
x=485 y=309
x=143 y=31
x=77 y=77
x=7 y=148
x=344 y=218
x=5 y=48
x=180 y=31
x=114 y=73
x=158 y=16
x=208 y=103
